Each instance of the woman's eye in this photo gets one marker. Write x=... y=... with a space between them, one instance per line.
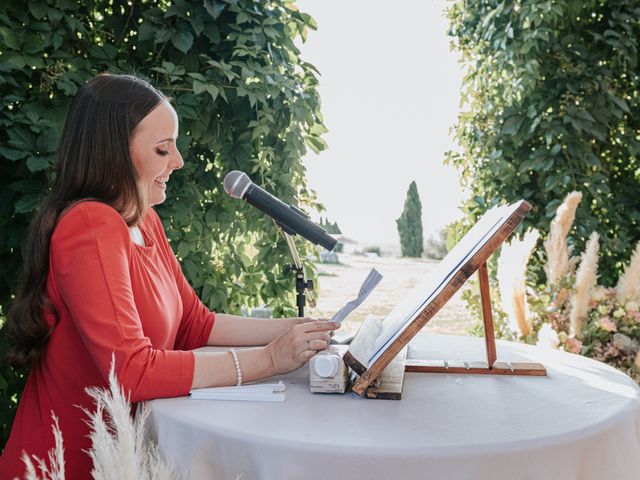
x=162 y=153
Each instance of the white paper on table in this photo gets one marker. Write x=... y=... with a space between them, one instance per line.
x=368 y=286
x=260 y=392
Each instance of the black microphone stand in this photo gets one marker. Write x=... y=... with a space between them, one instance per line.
x=302 y=284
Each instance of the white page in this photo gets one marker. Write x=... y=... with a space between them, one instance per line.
x=368 y=286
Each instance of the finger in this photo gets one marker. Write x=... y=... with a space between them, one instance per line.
x=305 y=341
x=319 y=326
x=318 y=344
x=308 y=354
x=325 y=336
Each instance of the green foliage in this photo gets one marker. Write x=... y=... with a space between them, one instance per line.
x=245 y=101
x=410 y=224
x=611 y=333
x=553 y=106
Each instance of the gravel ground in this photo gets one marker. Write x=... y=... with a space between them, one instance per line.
x=340 y=283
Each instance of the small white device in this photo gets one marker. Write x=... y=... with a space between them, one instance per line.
x=327 y=371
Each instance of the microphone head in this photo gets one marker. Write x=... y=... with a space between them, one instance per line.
x=236 y=183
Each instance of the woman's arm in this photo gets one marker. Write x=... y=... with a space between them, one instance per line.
x=231 y=330
x=294 y=344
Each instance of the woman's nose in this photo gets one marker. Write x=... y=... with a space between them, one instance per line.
x=178 y=162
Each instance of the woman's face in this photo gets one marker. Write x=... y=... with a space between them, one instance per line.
x=154 y=153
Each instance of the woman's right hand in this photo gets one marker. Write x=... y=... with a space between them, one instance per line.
x=298 y=344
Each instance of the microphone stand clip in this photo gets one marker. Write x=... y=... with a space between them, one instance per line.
x=302 y=284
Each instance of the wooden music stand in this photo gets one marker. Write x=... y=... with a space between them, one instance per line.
x=381 y=372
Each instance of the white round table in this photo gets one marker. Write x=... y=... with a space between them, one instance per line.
x=582 y=421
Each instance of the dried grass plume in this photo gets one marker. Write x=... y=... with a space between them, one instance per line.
x=548 y=337
x=512 y=269
x=628 y=287
x=586 y=277
x=55 y=469
x=118 y=447
x=558 y=252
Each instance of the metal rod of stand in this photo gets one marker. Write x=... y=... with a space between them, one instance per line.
x=302 y=284
x=300 y=296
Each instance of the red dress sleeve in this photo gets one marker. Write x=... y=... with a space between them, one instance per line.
x=197 y=320
x=91 y=259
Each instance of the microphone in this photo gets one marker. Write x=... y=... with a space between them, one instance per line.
x=291 y=219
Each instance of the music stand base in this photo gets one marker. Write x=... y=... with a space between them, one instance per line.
x=475 y=368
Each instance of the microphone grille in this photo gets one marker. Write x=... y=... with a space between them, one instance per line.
x=236 y=183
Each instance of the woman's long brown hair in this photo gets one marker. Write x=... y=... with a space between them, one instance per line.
x=93 y=163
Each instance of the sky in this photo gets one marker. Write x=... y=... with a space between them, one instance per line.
x=390 y=91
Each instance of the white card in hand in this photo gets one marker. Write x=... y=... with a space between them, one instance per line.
x=369 y=284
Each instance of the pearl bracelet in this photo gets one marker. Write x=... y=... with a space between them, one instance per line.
x=237 y=362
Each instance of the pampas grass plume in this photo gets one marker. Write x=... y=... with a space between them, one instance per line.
x=55 y=470
x=558 y=251
x=512 y=269
x=118 y=448
x=548 y=337
x=628 y=287
x=586 y=277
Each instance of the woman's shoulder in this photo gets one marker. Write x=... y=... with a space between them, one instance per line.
x=88 y=215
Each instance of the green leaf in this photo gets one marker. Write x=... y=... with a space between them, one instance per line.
x=38 y=9
x=184 y=248
x=163 y=35
x=35 y=164
x=28 y=203
x=182 y=40
x=146 y=31
x=11 y=40
x=243 y=18
x=10 y=61
x=198 y=87
x=197 y=24
x=33 y=44
x=12 y=154
x=317 y=144
x=57 y=40
x=512 y=125
x=621 y=103
x=214 y=8
x=213 y=91
x=527 y=46
x=54 y=15
x=586 y=116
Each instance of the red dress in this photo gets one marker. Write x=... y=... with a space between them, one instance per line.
x=111 y=295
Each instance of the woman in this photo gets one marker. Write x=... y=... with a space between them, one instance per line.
x=100 y=279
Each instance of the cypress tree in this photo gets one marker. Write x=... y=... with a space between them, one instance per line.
x=410 y=224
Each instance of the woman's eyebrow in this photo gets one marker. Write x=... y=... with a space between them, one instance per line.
x=169 y=139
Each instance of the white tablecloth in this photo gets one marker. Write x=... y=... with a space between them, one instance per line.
x=582 y=421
